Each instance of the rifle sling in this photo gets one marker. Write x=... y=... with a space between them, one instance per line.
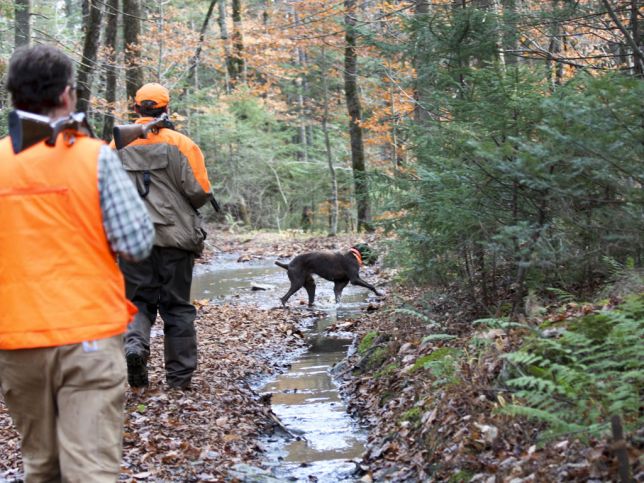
x=147 y=181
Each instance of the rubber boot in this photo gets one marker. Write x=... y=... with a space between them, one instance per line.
x=137 y=350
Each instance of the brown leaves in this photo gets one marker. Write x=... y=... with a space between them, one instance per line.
x=171 y=435
x=196 y=435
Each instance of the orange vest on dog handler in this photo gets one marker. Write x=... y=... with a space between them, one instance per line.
x=59 y=281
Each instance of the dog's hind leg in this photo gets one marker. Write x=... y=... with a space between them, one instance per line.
x=338 y=288
x=362 y=283
x=309 y=285
x=295 y=286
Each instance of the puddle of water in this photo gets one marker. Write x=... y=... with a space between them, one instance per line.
x=307 y=401
x=328 y=441
x=225 y=278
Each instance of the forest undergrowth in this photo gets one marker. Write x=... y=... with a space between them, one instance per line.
x=448 y=396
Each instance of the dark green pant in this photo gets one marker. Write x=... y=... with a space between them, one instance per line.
x=161 y=284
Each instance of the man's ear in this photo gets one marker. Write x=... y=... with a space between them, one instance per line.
x=68 y=99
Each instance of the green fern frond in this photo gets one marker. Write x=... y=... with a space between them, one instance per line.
x=438 y=337
x=594 y=370
x=562 y=295
x=416 y=315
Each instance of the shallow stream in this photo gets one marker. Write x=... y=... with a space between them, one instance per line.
x=325 y=442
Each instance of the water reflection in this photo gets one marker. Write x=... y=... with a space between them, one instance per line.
x=307 y=401
x=305 y=398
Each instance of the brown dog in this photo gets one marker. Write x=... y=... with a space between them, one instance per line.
x=339 y=268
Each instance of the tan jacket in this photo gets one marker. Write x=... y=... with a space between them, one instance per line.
x=170 y=174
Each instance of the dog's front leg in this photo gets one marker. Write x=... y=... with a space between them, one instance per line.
x=338 y=288
x=309 y=285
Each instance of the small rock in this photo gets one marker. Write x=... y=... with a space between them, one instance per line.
x=506 y=463
x=488 y=432
x=552 y=333
x=259 y=286
x=409 y=359
x=221 y=422
x=405 y=348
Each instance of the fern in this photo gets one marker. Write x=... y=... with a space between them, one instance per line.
x=438 y=337
x=614 y=267
x=562 y=295
x=594 y=370
x=416 y=315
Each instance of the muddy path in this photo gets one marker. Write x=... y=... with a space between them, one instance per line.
x=263 y=406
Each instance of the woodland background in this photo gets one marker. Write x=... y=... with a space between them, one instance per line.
x=498 y=143
x=500 y=139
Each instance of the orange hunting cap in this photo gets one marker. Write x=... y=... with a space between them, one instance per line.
x=153 y=92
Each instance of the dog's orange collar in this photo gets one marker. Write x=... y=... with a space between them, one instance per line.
x=356 y=253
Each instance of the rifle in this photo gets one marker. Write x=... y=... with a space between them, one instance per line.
x=27 y=128
x=125 y=134
x=214 y=203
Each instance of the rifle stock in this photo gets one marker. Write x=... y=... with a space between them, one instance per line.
x=125 y=134
x=27 y=128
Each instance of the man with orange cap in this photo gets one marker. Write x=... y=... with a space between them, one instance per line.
x=65 y=211
x=170 y=173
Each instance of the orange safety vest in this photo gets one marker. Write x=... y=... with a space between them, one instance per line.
x=59 y=281
x=185 y=145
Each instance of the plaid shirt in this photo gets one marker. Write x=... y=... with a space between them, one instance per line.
x=125 y=218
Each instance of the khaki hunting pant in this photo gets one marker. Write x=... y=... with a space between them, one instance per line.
x=67 y=404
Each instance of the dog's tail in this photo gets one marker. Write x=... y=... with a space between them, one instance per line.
x=280 y=264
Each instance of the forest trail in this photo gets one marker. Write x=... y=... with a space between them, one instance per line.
x=225 y=426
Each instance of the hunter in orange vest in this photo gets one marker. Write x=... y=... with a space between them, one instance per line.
x=169 y=171
x=65 y=210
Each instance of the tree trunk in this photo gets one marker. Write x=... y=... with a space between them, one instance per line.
x=300 y=84
x=629 y=39
x=333 y=229
x=355 y=115
x=69 y=14
x=500 y=41
x=421 y=11
x=92 y=29
x=111 y=27
x=223 y=29
x=236 y=68
x=22 y=30
x=510 y=31
x=131 y=32
x=620 y=447
x=194 y=62
x=638 y=62
x=394 y=128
